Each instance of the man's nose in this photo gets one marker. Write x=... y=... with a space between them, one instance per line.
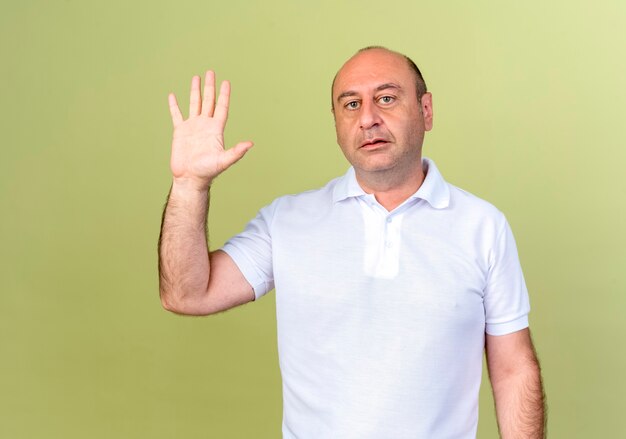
x=369 y=115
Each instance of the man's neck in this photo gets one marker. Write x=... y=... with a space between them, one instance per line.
x=391 y=188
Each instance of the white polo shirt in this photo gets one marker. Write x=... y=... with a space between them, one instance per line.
x=381 y=315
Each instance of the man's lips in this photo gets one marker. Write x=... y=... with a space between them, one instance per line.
x=373 y=143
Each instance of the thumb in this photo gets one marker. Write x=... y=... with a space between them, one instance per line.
x=234 y=154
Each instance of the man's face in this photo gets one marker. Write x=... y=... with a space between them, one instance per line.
x=380 y=123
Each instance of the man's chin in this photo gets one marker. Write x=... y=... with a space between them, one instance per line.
x=371 y=166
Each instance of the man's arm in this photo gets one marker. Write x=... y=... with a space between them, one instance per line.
x=192 y=280
x=517 y=387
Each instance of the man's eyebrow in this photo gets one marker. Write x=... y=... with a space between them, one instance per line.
x=346 y=94
x=388 y=85
x=385 y=86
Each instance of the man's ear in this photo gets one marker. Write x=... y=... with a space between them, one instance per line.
x=427 y=110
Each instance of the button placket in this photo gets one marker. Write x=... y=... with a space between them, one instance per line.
x=381 y=253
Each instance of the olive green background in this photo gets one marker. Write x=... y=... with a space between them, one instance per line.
x=529 y=102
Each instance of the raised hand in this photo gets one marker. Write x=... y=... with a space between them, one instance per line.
x=198 y=152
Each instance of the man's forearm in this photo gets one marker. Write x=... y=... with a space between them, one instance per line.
x=183 y=250
x=520 y=403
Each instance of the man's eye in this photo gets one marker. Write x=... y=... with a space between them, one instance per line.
x=386 y=99
x=352 y=105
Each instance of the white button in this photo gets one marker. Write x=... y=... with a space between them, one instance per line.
x=389 y=244
x=389 y=219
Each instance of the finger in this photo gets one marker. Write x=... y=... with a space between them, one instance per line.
x=208 y=102
x=177 y=116
x=194 y=97
x=235 y=153
x=223 y=101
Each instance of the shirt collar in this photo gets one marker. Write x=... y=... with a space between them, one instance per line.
x=434 y=188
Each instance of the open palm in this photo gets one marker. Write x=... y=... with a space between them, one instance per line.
x=198 y=151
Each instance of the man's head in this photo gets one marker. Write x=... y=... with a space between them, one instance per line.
x=381 y=109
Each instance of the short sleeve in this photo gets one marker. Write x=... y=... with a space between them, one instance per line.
x=252 y=251
x=506 y=296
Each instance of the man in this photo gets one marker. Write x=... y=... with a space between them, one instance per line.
x=389 y=281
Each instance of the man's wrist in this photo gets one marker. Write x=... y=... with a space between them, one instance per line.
x=189 y=192
x=191 y=185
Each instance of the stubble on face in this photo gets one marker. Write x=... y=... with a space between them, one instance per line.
x=379 y=140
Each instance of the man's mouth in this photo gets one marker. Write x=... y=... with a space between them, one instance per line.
x=373 y=143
